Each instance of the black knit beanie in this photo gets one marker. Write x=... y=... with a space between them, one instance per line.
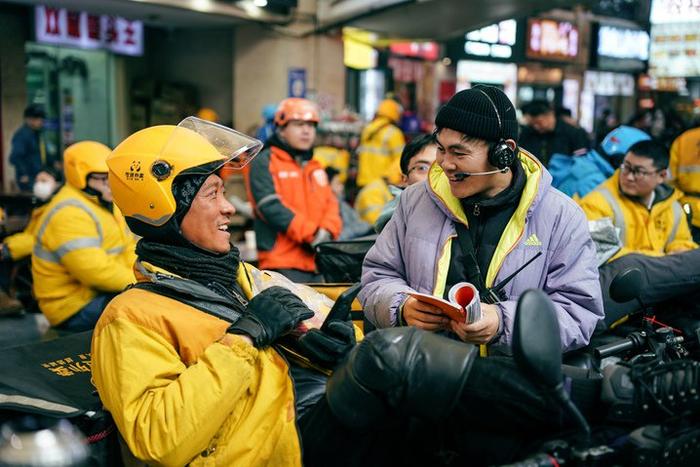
x=471 y=113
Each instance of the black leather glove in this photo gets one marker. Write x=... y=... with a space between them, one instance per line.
x=330 y=346
x=271 y=314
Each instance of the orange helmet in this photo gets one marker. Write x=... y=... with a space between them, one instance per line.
x=296 y=108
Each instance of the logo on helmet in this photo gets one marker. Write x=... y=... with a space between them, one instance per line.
x=134 y=174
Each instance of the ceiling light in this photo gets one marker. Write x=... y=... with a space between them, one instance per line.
x=260 y=3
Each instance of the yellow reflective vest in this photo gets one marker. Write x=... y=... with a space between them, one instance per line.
x=685 y=170
x=371 y=200
x=81 y=249
x=21 y=244
x=657 y=231
x=183 y=391
x=379 y=153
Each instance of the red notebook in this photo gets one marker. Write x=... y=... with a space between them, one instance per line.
x=463 y=305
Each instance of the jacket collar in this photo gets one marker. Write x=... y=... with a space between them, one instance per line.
x=537 y=181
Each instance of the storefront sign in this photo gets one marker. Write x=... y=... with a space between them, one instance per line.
x=496 y=40
x=503 y=75
x=675 y=50
x=620 y=49
x=551 y=40
x=426 y=50
x=674 y=11
x=87 y=31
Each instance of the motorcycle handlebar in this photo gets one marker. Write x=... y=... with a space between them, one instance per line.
x=633 y=341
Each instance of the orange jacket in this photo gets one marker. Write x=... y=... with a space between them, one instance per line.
x=291 y=203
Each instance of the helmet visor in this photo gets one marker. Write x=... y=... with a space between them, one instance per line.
x=226 y=148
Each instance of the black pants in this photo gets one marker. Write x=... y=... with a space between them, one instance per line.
x=671 y=278
x=499 y=413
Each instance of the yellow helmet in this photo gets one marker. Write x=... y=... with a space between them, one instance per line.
x=206 y=113
x=143 y=167
x=83 y=158
x=390 y=109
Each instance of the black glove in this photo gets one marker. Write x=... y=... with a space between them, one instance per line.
x=329 y=347
x=271 y=314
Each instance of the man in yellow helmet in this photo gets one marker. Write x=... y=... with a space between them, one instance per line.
x=381 y=143
x=83 y=251
x=188 y=363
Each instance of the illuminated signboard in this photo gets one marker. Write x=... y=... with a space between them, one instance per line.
x=620 y=49
x=675 y=50
x=674 y=11
x=424 y=50
x=496 y=40
x=551 y=40
x=623 y=43
x=86 y=31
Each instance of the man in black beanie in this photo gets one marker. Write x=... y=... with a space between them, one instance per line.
x=497 y=204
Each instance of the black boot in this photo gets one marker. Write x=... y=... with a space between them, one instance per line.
x=400 y=370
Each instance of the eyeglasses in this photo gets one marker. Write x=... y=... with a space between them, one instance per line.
x=420 y=168
x=627 y=169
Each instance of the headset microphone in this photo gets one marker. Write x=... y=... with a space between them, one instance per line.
x=461 y=176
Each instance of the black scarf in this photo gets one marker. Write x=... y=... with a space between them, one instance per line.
x=276 y=141
x=217 y=272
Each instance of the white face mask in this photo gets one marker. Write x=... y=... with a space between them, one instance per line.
x=44 y=190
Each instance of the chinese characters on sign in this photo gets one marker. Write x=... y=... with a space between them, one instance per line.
x=88 y=31
x=552 y=40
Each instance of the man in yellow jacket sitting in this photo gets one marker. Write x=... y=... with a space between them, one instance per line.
x=83 y=251
x=685 y=173
x=653 y=231
x=188 y=361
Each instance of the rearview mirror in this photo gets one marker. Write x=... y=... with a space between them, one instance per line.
x=626 y=285
x=536 y=341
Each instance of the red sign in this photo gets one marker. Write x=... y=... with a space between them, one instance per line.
x=86 y=31
x=425 y=50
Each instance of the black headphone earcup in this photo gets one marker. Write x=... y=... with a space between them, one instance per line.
x=501 y=155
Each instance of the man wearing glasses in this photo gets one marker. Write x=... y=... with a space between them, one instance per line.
x=84 y=252
x=653 y=230
x=416 y=159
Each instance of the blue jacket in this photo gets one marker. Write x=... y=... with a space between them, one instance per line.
x=25 y=155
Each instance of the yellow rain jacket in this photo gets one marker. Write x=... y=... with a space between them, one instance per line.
x=81 y=249
x=371 y=200
x=656 y=232
x=182 y=391
x=685 y=170
x=337 y=158
x=379 y=153
x=21 y=244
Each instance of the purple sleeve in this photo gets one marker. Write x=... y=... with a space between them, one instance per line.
x=384 y=284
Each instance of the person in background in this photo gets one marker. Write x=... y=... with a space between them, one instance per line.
x=416 y=159
x=353 y=225
x=381 y=143
x=684 y=174
x=19 y=246
x=208 y=114
x=28 y=153
x=83 y=251
x=268 y=127
x=564 y=114
x=653 y=231
x=294 y=205
x=546 y=135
